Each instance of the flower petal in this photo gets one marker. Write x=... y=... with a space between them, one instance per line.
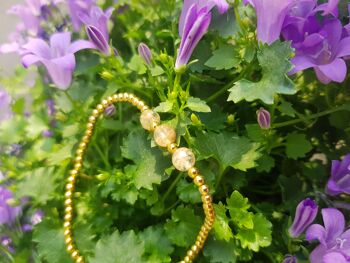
x=38 y=47
x=334 y=223
x=316 y=232
x=317 y=254
x=97 y=38
x=79 y=45
x=59 y=43
x=322 y=77
x=334 y=257
x=301 y=63
x=29 y=60
x=335 y=71
x=344 y=47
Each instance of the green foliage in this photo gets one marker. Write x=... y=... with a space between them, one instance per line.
x=297 y=145
x=274 y=63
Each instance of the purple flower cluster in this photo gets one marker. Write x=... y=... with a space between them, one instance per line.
x=314 y=30
x=57 y=56
x=194 y=22
x=8 y=213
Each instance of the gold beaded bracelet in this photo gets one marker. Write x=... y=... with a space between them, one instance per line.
x=183 y=160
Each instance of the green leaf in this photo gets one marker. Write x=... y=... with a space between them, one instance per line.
x=12 y=130
x=249 y=158
x=157 y=246
x=59 y=155
x=286 y=108
x=119 y=248
x=165 y=106
x=149 y=165
x=39 y=184
x=183 y=226
x=218 y=251
x=238 y=207
x=50 y=243
x=297 y=145
x=197 y=105
x=258 y=236
x=222 y=229
x=226 y=148
x=265 y=164
x=157 y=71
x=188 y=192
x=137 y=64
x=275 y=64
x=223 y=58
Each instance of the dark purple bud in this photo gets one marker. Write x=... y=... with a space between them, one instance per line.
x=98 y=39
x=110 y=111
x=47 y=134
x=37 y=217
x=290 y=259
x=264 y=118
x=145 y=53
x=305 y=214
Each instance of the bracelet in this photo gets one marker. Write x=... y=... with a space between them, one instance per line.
x=164 y=135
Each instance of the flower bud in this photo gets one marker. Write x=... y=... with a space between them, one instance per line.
x=264 y=118
x=290 y=259
x=110 y=111
x=98 y=39
x=145 y=53
x=305 y=214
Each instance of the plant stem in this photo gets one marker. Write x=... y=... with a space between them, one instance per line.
x=101 y=154
x=171 y=187
x=310 y=117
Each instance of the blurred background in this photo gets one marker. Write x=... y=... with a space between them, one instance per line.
x=8 y=23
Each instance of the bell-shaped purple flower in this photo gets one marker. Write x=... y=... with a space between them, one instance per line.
x=145 y=53
x=221 y=5
x=196 y=25
x=77 y=8
x=324 y=51
x=58 y=57
x=305 y=214
x=96 y=22
x=290 y=259
x=339 y=182
x=264 y=118
x=334 y=244
x=8 y=213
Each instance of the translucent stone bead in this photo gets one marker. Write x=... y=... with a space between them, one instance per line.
x=149 y=119
x=183 y=159
x=164 y=135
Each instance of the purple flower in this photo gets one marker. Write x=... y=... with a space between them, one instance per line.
x=7 y=213
x=47 y=134
x=27 y=227
x=221 y=5
x=15 y=149
x=110 y=111
x=290 y=259
x=305 y=214
x=264 y=118
x=5 y=105
x=269 y=26
x=31 y=22
x=334 y=242
x=339 y=182
x=37 y=217
x=6 y=242
x=58 y=57
x=324 y=51
x=145 y=53
x=78 y=7
x=96 y=27
x=196 y=25
x=50 y=107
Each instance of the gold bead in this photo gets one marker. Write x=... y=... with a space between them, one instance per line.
x=68 y=240
x=82 y=145
x=85 y=139
x=172 y=147
x=66 y=224
x=141 y=105
x=90 y=126
x=80 y=260
x=204 y=189
x=100 y=108
x=187 y=259
x=67 y=233
x=68 y=194
x=75 y=254
x=95 y=113
x=68 y=201
x=190 y=254
x=70 y=248
x=78 y=159
x=199 y=180
x=182 y=261
x=126 y=96
x=110 y=99
x=193 y=172
x=77 y=166
x=88 y=133
x=131 y=97
x=120 y=96
x=206 y=199
x=105 y=103
x=195 y=249
x=144 y=108
x=115 y=97
x=80 y=151
x=92 y=119
x=73 y=173
x=69 y=186
x=199 y=244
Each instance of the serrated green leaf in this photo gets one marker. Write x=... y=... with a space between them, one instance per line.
x=222 y=229
x=188 y=192
x=165 y=106
x=265 y=164
x=218 y=251
x=226 y=148
x=286 y=108
x=275 y=64
x=197 y=105
x=157 y=246
x=183 y=226
x=259 y=236
x=149 y=165
x=119 y=248
x=249 y=159
x=297 y=146
x=137 y=64
x=238 y=207
x=223 y=58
